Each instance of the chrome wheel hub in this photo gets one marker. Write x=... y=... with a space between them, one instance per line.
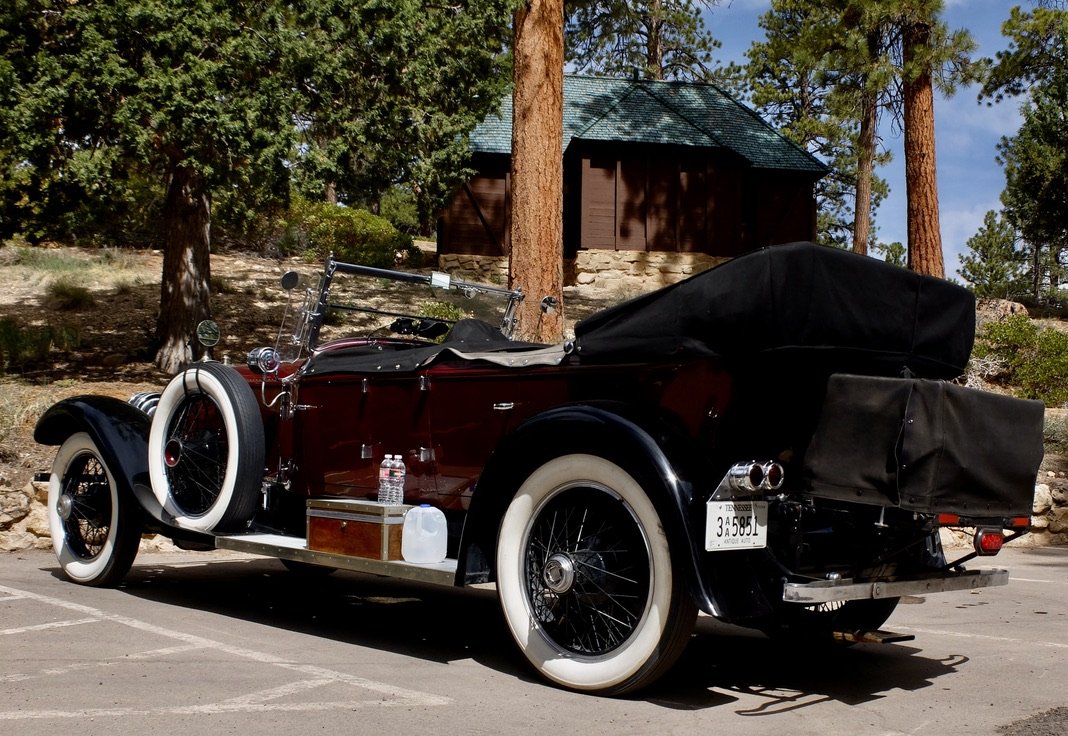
x=65 y=506
x=559 y=573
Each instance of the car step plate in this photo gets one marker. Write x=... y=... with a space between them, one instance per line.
x=871 y=637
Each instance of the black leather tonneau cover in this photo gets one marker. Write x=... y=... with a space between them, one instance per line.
x=803 y=301
x=926 y=446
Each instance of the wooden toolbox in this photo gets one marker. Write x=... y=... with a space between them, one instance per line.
x=357 y=528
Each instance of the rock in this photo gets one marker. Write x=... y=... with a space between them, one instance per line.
x=1043 y=499
x=14 y=507
x=995 y=310
x=36 y=523
x=1039 y=523
x=37 y=490
x=1058 y=520
x=18 y=541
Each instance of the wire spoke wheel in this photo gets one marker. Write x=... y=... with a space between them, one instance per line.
x=206 y=449
x=585 y=579
x=88 y=522
x=588 y=570
x=196 y=453
x=95 y=531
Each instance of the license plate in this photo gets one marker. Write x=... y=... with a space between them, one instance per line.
x=736 y=525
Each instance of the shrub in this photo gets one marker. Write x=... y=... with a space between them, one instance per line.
x=68 y=297
x=1056 y=433
x=20 y=346
x=350 y=234
x=1032 y=360
x=398 y=206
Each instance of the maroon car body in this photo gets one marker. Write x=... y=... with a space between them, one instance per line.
x=774 y=442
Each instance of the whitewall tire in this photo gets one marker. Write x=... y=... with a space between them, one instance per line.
x=206 y=449
x=585 y=579
x=94 y=534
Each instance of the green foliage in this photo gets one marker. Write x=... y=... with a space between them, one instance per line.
x=661 y=39
x=399 y=206
x=1036 y=158
x=994 y=266
x=389 y=92
x=443 y=311
x=352 y=235
x=893 y=253
x=825 y=75
x=1055 y=433
x=1034 y=360
x=813 y=78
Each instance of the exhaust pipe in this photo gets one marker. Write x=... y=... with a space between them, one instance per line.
x=752 y=476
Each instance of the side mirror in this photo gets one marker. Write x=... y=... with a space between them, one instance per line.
x=290 y=279
x=208 y=336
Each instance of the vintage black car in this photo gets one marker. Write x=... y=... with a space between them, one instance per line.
x=776 y=442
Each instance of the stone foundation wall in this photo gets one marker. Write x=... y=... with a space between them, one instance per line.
x=637 y=271
x=602 y=270
x=482 y=269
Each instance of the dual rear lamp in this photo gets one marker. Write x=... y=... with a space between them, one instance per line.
x=987 y=541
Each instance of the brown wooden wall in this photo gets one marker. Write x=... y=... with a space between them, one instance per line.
x=645 y=198
x=476 y=222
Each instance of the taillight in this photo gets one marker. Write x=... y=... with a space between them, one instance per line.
x=989 y=541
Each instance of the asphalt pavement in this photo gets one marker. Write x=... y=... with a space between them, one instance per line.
x=219 y=643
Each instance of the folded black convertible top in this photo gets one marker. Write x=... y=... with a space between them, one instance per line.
x=801 y=301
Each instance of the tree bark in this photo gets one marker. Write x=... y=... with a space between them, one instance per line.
x=921 y=184
x=865 y=171
x=537 y=194
x=185 y=291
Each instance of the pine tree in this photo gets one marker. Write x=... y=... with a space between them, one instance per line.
x=993 y=268
x=537 y=194
x=655 y=39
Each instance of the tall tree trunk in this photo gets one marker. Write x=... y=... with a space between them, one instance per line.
x=537 y=255
x=921 y=184
x=185 y=292
x=654 y=50
x=865 y=171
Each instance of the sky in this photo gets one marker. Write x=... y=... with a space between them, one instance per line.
x=970 y=181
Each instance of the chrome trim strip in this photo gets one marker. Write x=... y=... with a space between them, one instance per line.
x=829 y=591
x=293 y=548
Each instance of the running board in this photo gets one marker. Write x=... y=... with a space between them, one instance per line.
x=829 y=591
x=284 y=547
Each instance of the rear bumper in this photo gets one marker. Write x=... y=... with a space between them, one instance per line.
x=829 y=591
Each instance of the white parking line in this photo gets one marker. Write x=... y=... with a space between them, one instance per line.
x=54 y=671
x=985 y=637
x=313 y=676
x=52 y=625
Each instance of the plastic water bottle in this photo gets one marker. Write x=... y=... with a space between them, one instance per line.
x=385 y=487
x=397 y=475
x=424 y=537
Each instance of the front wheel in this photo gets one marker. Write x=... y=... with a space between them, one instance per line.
x=95 y=533
x=585 y=580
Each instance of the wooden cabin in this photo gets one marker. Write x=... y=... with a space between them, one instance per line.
x=656 y=173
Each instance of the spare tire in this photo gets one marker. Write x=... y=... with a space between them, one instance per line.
x=206 y=449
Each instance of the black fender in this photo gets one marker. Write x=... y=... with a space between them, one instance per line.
x=120 y=432
x=646 y=444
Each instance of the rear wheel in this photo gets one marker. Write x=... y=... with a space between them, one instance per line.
x=206 y=449
x=95 y=534
x=585 y=580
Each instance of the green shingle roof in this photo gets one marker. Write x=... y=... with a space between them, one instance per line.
x=677 y=113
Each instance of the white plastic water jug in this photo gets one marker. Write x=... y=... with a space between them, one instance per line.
x=424 y=536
